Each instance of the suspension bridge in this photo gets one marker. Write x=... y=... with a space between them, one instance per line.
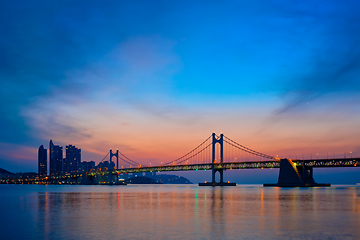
x=219 y=153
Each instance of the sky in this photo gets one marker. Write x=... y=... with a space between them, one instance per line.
x=156 y=78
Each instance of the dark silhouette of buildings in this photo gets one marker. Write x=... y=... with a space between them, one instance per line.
x=56 y=159
x=42 y=161
x=87 y=166
x=72 y=162
x=63 y=167
x=106 y=165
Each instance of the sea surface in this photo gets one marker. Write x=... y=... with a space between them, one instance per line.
x=178 y=212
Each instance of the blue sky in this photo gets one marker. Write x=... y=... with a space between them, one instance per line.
x=279 y=76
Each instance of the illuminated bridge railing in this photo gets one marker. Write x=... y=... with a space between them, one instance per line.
x=195 y=167
x=337 y=162
x=341 y=162
x=318 y=163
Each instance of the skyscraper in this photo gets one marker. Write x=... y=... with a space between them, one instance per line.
x=56 y=159
x=87 y=166
x=73 y=160
x=42 y=161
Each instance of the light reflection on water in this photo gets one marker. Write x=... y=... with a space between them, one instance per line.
x=178 y=212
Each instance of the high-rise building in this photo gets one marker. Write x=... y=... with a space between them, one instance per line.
x=64 y=166
x=105 y=166
x=56 y=159
x=87 y=166
x=78 y=160
x=42 y=161
x=72 y=162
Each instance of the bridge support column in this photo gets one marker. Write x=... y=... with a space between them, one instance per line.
x=291 y=175
x=221 y=171
x=116 y=154
x=217 y=167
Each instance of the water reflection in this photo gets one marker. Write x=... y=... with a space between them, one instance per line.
x=217 y=211
x=190 y=212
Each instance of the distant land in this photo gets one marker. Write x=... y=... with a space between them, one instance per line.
x=5 y=173
x=159 y=179
x=155 y=179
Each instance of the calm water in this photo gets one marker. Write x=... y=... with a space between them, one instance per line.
x=178 y=212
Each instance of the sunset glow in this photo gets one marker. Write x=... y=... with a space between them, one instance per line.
x=155 y=80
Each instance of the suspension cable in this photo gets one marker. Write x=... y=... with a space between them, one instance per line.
x=178 y=159
x=195 y=154
x=133 y=162
x=128 y=161
x=105 y=157
x=248 y=150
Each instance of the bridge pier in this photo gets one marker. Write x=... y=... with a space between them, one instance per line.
x=217 y=169
x=221 y=171
x=294 y=175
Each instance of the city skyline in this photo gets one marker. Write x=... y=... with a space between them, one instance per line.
x=60 y=163
x=154 y=80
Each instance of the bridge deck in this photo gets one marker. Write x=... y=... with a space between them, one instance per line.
x=323 y=163
x=318 y=163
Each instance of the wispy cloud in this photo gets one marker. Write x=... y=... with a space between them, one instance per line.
x=121 y=74
x=334 y=64
x=125 y=87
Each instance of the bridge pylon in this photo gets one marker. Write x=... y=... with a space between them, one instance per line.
x=116 y=154
x=221 y=171
x=217 y=167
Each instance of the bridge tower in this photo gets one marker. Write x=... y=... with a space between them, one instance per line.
x=219 y=167
x=116 y=154
x=221 y=171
